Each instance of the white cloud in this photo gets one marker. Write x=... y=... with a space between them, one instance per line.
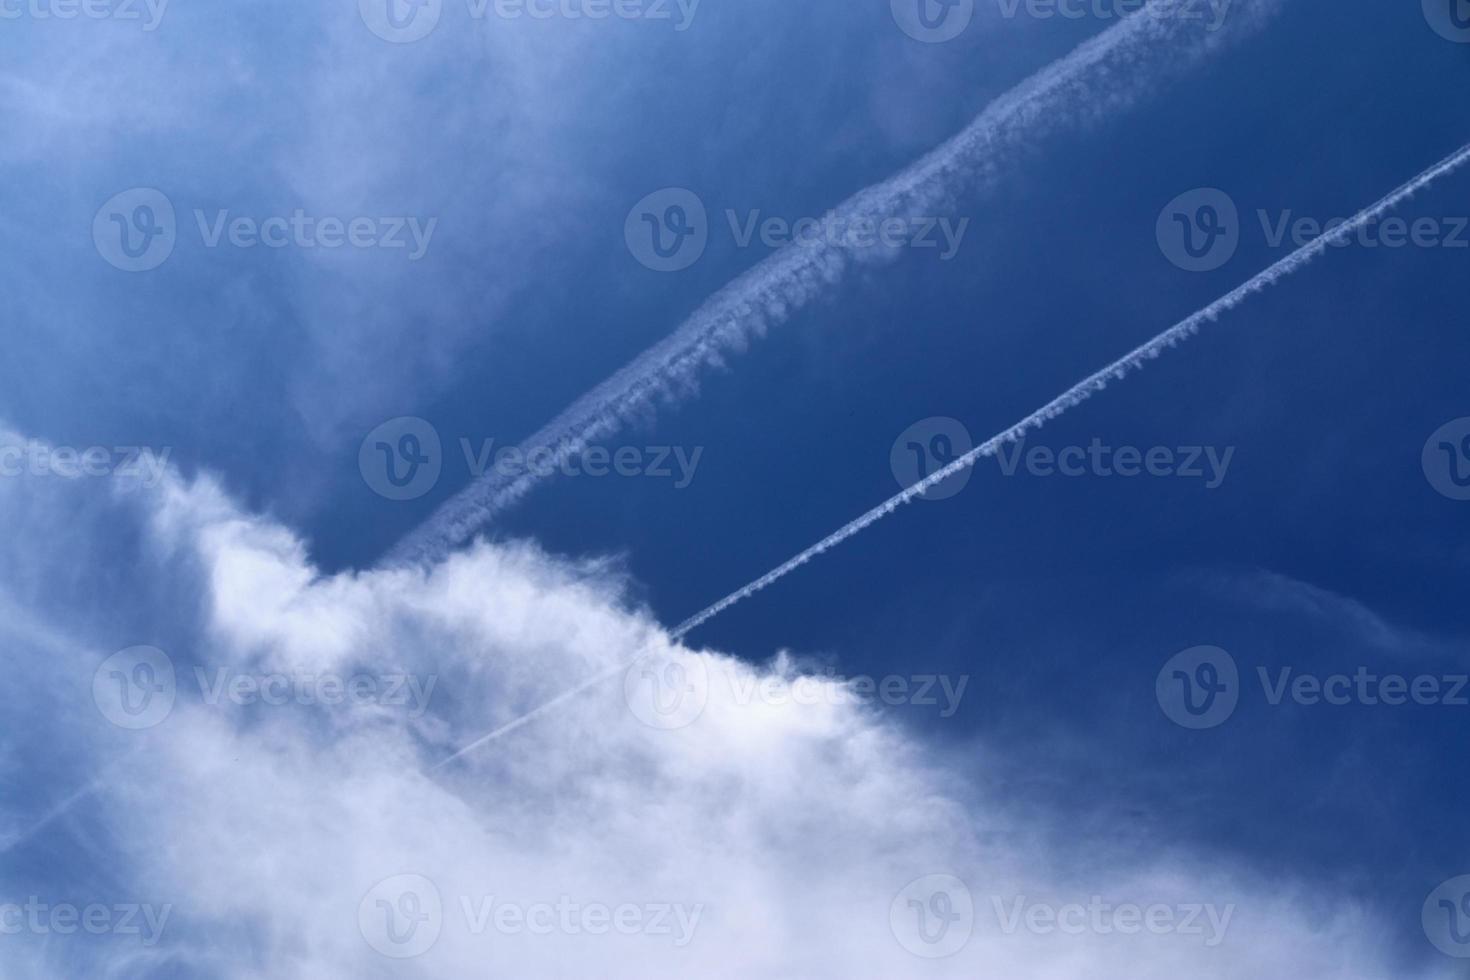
x=791 y=829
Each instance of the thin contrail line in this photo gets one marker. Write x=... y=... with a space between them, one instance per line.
x=1098 y=76
x=1094 y=383
x=1072 y=397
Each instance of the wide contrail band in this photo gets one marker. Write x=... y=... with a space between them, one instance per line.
x=1101 y=75
x=1076 y=395
x=1094 y=383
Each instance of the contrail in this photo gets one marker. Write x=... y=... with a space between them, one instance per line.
x=1091 y=385
x=1101 y=75
x=1069 y=399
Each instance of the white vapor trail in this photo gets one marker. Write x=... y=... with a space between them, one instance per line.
x=1091 y=385
x=1100 y=75
x=1072 y=397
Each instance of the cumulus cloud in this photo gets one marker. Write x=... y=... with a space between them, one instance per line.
x=728 y=835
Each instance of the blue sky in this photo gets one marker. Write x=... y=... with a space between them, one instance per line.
x=1327 y=545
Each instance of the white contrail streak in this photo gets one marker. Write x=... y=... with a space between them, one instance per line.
x=1101 y=75
x=1085 y=389
x=1072 y=397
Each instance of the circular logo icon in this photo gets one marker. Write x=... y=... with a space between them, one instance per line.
x=668 y=230
x=1199 y=230
x=135 y=688
x=933 y=916
x=925 y=448
x=933 y=21
x=667 y=692
x=1446 y=917
x=401 y=459
x=135 y=231
x=1449 y=18
x=1446 y=459
x=401 y=917
x=1199 y=688
x=401 y=21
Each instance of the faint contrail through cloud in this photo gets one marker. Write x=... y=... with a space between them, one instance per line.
x=1073 y=396
x=1093 y=384
x=1104 y=74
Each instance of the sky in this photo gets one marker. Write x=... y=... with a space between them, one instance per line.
x=283 y=282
